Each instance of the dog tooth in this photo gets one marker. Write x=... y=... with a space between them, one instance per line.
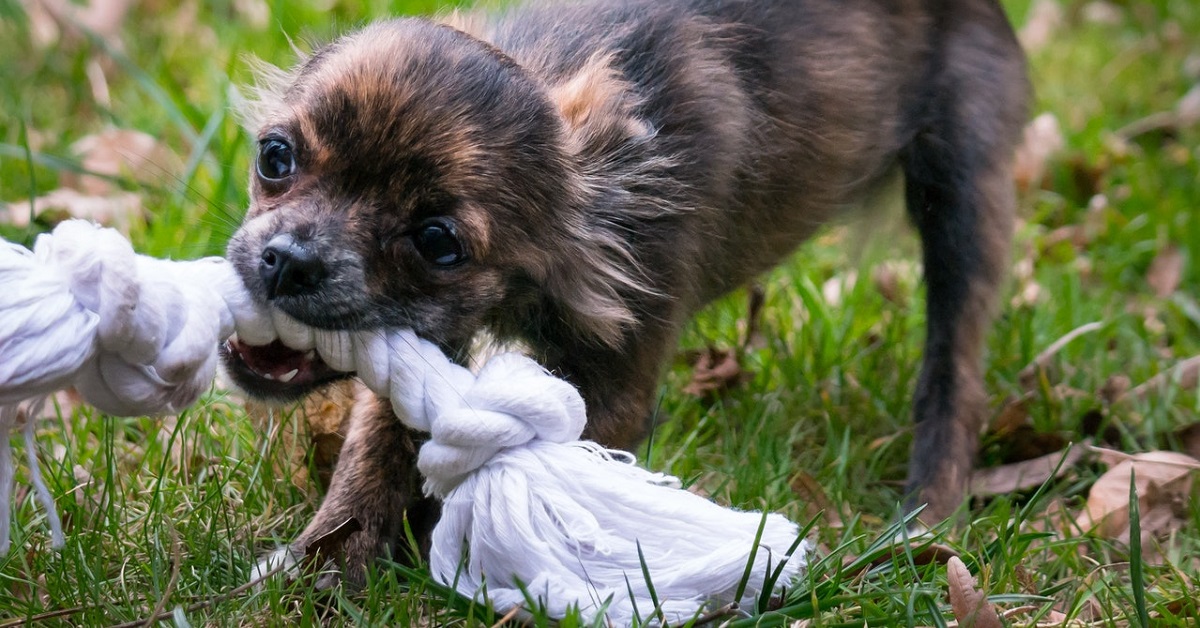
x=288 y=376
x=292 y=333
x=267 y=376
x=310 y=355
x=335 y=349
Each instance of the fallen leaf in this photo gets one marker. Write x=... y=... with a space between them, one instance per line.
x=1101 y=12
x=121 y=153
x=810 y=493
x=1041 y=140
x=53 y=207
x=835 y=287
x=1186 y=113
x=896 y=280
x=1012 y=416
x=715 y=371
x=922 y=552
x=95 y=196
x=1114 y=388
x=1187 y=110
x=1045 y=18
x=1166 y=271
x=255 y=13
x=1027 y=474
x=1162 y=478
x=1189 y=439
x=100 y=17
x=969 y=603
x=1185 y=374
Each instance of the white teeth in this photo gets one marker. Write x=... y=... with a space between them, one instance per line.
x=335 y=349
x=288 y=376
x=292 y=333
x=233 y=339
x=267 y=376
x=311 y=355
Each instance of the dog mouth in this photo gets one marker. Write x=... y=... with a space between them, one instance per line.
x=275 y=371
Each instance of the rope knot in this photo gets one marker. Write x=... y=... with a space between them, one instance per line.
x=470 y=418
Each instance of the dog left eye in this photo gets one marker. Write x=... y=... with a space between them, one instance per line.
x=438 y=243
x=276 y=160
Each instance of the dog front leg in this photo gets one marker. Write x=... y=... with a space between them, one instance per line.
x=377 y=483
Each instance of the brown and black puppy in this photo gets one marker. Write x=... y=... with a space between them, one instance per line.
x=584 y=177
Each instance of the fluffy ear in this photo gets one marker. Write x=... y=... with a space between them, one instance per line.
x=598 y=109
x=598 y=278
x=255 y=104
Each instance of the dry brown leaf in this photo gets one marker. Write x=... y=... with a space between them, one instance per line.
x=255 y=13
x=1101 y=12
x=92 y=196
x=1012 y=416
x=1045 y=18
x=1185 y=114
x=838 y=285
x=1027 y=474
x=122 y=153
x=114 y=210
x=810 y=492
x=923 y=553
x=1189 y=439
x=969 y=603
x=100 y=17
x=1163 y=478
x=896 y=280
x=1166 y=271
x=1187 y=110
x=1041 y=141
x=1185 y=374
x=1114 y=388
x=715 y=371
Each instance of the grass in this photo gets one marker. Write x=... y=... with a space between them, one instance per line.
x=169 y=513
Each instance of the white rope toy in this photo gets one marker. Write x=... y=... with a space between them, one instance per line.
x=526 y=502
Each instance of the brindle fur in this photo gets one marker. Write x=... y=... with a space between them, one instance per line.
x=614 y=165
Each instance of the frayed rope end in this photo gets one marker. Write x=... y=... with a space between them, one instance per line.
x=567 y=524
x=9 y=417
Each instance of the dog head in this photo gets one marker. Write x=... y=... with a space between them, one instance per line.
x=411 y=175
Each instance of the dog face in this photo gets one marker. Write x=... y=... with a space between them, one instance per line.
x=407 y=176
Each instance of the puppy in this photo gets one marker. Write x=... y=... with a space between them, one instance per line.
x=583 y=177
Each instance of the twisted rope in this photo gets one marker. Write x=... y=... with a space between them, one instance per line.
x=531 y=507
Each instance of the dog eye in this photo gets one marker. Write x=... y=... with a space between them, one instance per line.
x=275 y=160
x=438 y=243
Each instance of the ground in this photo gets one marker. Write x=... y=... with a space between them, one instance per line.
x=169 y=515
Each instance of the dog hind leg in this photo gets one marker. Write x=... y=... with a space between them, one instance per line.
x=959 y=193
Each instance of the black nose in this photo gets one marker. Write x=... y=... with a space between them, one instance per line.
x=290 y=269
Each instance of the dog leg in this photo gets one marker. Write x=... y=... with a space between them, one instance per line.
x=618 y=384
x=376 y=482
x=959 y=192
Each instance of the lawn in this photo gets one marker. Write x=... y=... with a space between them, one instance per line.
x=168 y=515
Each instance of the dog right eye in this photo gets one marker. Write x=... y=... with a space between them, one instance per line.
x=275 y=160
x=438 y=243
